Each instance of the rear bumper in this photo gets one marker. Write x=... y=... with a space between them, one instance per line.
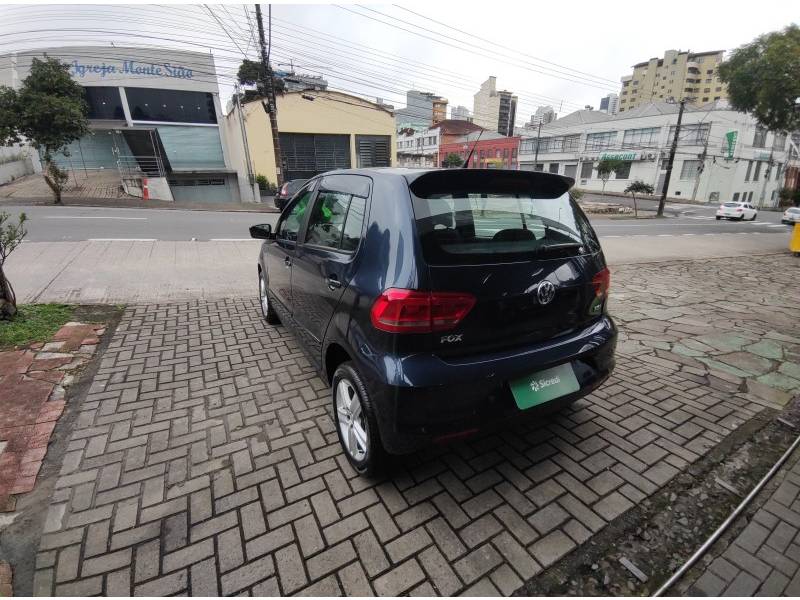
x=472 y=394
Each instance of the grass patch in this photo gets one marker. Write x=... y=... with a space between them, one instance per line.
x=34 y=323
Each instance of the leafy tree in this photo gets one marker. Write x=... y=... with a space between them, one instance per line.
x=638 y=187
x=49 y=111
x=250 y=74
x=606 y=167
x=789 y=196
x=763 y=79
x=11 y=235
x=452 y=160
x=576 y=193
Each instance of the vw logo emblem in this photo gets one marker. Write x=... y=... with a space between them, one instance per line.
x=545 y=292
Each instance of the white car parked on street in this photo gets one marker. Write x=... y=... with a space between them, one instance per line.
x=737 y=210
x=791 y=215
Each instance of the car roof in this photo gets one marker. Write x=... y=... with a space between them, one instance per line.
x=548 y=180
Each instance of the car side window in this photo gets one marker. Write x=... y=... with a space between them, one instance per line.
x=354 y=223
x=289 y=226
x=326 y=224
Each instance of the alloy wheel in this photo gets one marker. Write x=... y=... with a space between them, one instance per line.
x=262 y=294
x=352 y=420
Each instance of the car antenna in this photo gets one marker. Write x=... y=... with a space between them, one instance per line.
x=466 y=162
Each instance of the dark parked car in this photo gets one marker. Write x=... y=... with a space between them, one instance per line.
x=286 y=192
x=436 y=302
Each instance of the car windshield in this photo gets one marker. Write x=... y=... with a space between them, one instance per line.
x=481 y=227
x=732 y=204
x=794 y=211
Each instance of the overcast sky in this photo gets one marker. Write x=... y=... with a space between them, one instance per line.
x=548 y=52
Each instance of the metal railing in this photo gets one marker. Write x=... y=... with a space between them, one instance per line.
x=140 y=166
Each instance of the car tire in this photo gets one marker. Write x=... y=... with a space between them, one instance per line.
x=741 y=218
x=269 y=314
x=754 y=217
x=358 y=434
x=718 y=218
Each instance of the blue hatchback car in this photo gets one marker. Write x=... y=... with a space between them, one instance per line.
x=437 y=302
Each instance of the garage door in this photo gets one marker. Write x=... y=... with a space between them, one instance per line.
x=308 y=154
x=374 y=150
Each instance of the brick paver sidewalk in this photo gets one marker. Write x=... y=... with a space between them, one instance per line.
x=764 y=559
x=204 y=459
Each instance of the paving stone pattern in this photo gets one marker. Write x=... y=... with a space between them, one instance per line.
x=764 y=559
x=204 y=459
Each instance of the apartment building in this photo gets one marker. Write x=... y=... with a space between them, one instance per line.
x=722 y=155
x=460 y=113
x=493 y=109
x=610 y=104
x=543 y=115
x=679 y=74
x=422 y=110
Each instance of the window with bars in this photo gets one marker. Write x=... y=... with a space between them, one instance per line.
x=694 y=134
x=690 y=169
x=760 y=138
x=586 y=170
x=779 y=142
x=572 y=142
x=624 y=170
x=600 y=141
x=646 y=137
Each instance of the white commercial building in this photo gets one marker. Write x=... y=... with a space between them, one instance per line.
x=722 y=155
x=418 y=149
x=154 y=113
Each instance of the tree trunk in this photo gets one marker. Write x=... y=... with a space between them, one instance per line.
x=8 y=300
x=52 y=184
x=635 y=209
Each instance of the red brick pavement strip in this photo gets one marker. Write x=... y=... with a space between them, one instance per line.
x=6 y=591
x=31 y=403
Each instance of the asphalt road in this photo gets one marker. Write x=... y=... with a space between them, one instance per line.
x=58 y=224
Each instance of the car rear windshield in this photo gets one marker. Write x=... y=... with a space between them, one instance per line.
x=793 y=211
x=731 y=204
x=482 y=227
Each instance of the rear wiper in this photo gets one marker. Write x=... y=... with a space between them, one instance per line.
x=545 y=248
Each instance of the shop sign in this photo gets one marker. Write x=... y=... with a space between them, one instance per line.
x=130 y=67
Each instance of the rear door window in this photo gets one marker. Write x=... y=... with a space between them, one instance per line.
x=337 y=220
x=327 y=220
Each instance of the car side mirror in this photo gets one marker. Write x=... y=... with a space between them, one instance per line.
x=261 y=232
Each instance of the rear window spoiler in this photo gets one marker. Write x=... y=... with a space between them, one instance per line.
x=489 y=181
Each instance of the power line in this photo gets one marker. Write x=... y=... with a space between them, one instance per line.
x=579 y=80
x=501 y=45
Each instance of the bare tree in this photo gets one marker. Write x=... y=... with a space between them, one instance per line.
x=11 y=235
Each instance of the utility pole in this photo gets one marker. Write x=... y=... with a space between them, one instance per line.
x=268 y=84
x=671 y=159
x=538 y=136
x=767 y=174
x=700 y=170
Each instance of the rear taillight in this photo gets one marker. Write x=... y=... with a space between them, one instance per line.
x=284 y=188
x=412 y=311
x=601 y=283
x=739 y=210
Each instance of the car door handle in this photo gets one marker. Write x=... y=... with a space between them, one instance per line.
x=333 y=282
x=287 y=261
